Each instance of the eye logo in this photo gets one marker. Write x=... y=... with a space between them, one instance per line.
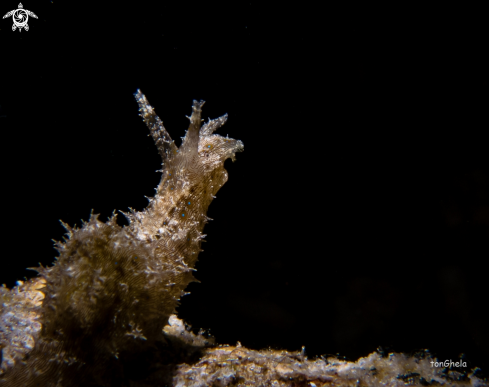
x=20 y=17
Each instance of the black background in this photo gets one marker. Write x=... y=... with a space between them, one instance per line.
x=358 y=214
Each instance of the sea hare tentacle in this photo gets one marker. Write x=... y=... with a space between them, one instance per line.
x=113 y=289
x=164 y=143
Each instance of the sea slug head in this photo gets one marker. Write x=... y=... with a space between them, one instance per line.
x=199 y=161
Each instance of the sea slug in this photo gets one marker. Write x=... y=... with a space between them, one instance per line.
x=113 y=289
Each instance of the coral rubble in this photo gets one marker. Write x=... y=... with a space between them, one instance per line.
x=239 y=366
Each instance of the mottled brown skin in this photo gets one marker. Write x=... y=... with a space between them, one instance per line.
x=113 y=288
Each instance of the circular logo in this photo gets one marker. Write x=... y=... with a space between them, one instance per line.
x=20 y=17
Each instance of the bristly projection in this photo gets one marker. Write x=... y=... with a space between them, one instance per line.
x=113 y=288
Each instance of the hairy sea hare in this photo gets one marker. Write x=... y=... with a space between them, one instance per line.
x=113 y=289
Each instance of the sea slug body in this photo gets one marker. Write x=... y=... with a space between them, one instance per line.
x=113 y=289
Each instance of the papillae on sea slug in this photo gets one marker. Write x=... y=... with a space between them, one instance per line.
x=103 y=314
